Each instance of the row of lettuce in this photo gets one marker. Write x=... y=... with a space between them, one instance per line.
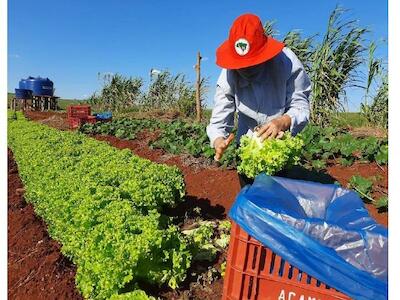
x=104 y=206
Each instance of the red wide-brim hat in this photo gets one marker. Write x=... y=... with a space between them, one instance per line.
x=247 y=44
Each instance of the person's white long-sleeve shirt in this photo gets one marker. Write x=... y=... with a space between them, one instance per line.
x=280 y=87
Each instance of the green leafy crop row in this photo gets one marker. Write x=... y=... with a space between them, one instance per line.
x=322 y=144
x=121 y=128
x=182 y=137
x=104 y=206
x=175 y=137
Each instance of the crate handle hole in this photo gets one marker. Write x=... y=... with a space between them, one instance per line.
x=290 y=274
x=250 y=289
x=263 y=256
x=271 y=267
x=308 y=279
x=253 y=263
x=281 y=267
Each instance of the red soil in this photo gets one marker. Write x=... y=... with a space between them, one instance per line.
x=343 y=175
x=42 y=115
x=36 y=268
x=54 y=119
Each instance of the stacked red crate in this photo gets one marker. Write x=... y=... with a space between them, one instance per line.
x=78 y=111
x=78 y=115
x=74 y=123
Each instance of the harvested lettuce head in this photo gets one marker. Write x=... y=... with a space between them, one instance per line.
x=270 y=156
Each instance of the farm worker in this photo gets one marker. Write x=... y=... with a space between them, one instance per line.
x=263 y=81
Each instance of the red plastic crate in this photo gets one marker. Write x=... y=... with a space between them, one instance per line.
x=78 y=111
x=254 y=272
x=74 y=123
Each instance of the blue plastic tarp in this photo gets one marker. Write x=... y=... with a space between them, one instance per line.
x=322 y=229
x=104 y=115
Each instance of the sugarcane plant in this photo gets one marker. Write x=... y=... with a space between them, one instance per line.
x=119 y=93
x=376 y=110
x=301 y=46
x=172 y=92
x=334 y=66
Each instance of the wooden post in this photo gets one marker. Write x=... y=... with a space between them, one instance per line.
x=14 y=108
x=198 y=83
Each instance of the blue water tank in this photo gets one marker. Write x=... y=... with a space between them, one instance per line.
x=38 y=85
x=22 y=84
x=23 y=94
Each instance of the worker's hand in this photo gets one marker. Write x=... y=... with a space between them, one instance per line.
x=274 y=129
x=220 y=145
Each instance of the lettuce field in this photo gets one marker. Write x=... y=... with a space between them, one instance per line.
x=136 y=208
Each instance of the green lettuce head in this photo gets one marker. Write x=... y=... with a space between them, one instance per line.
x=269 y=156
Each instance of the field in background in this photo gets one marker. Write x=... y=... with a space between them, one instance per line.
x=351 y=119
x=63 y=103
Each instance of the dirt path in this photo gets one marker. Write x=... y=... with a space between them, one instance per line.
x=36 y=268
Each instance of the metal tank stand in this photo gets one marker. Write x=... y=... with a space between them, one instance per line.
x=44 y=102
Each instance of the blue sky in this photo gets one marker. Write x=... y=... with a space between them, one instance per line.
x=71 y=41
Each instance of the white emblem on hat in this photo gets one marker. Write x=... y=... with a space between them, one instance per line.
x=242 y=47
